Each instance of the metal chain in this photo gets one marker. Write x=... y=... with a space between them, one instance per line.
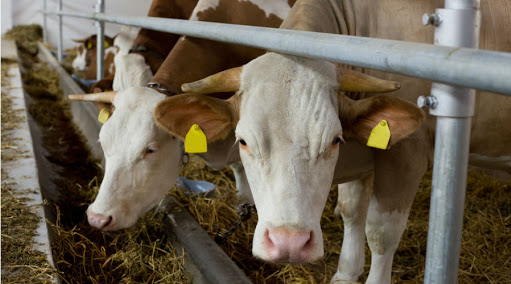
x=160 y=87
x=245 y=214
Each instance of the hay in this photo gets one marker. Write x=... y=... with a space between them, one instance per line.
x=20 y=262
x=485 y=255
x=26 y=37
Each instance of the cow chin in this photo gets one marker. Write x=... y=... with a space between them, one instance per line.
x=287 y=243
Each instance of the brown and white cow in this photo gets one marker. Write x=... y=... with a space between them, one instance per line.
x=290 y=119
x=85 y=59
x=142 y=160
x=150 y=48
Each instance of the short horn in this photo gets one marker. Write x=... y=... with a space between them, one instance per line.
x=353 y=81
x=79 y=40
x=225 y=81
x=105 y=97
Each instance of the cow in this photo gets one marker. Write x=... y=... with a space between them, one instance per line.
x=142 y=160
x=303 y=124
x=85 y=59
x=150 y=48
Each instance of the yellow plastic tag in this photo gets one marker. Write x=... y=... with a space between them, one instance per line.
x=89 y=45
x=107 y=45
x=380 y=136
x=103 y=115
x=195 y=140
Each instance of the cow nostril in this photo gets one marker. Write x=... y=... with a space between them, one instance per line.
x=108 y=221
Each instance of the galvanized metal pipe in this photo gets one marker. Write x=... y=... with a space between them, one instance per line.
x=485 y=70
x=100 y=39
x=59 y=48
x=45 y=27
x=458 y=26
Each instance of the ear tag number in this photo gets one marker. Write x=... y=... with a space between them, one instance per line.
x=380 y=136
x=195 y=140
x=103 y=115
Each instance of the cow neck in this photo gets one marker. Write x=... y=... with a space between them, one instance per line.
x=192 y=59
x=154 y=45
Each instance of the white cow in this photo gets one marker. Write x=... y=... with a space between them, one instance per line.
x=290 y=118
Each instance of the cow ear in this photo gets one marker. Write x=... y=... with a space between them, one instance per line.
x=358 y=118
x=177 y=114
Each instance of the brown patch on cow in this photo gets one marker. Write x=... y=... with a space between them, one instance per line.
x=161 y=42
x=210 y=57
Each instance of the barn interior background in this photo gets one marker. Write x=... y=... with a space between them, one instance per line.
x=146 y=255
x=25 y=12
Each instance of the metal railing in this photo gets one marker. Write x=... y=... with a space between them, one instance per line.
x=458 y=64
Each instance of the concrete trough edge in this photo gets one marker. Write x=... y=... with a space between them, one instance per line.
x=23 y=171
x=204 y=259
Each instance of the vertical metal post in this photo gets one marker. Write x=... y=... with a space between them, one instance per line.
x=100 y=54
x=59 y=52
x=456 y=25
x=45 y=27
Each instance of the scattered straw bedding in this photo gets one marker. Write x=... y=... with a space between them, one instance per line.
x=144 y=255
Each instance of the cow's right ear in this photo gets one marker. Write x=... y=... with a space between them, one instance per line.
x=215 y=117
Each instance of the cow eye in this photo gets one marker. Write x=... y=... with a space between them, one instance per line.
x=242 y=142
x=337 y=140
x=151 y=150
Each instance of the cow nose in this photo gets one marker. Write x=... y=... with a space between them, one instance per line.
x=99 y=221
x=284 y=245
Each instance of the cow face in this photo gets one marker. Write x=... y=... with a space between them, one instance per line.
x=290 y=121
x=86 y=51
x=142 y=161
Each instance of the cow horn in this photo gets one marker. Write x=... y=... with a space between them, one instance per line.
x=105 y=97
x=79 y=40
x=353 y=81
x=225 y=81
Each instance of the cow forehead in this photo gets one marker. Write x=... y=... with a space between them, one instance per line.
x=288 y=100
x=132 y=125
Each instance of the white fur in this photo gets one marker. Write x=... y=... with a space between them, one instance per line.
x=352 y=205
x=124 y=40
x=203 y=5
x=134 y=181
x=290 y=173
x=79 y=61
x=279 y=8
x=383 y=231
x=130 y=71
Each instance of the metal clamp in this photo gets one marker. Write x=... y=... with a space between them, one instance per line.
x=431 y=19
x=429 y=101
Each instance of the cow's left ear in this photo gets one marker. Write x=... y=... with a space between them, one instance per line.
x=215 y=117
x=358 y=118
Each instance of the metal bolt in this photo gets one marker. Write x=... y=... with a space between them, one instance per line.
x=429 y=101
x=430 y=19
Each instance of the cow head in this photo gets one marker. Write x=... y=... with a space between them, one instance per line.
x=86 y=51
x=142 y=160
x=289 y=118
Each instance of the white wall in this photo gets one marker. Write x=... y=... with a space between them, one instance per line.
x=26 y=12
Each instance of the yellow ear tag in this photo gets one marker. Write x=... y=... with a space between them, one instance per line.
x=89 y=45
x=107 y=45
x=195 y=140
x=103 y=116
x=380 y=136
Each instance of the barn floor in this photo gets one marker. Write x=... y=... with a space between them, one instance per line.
x=144 y=254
